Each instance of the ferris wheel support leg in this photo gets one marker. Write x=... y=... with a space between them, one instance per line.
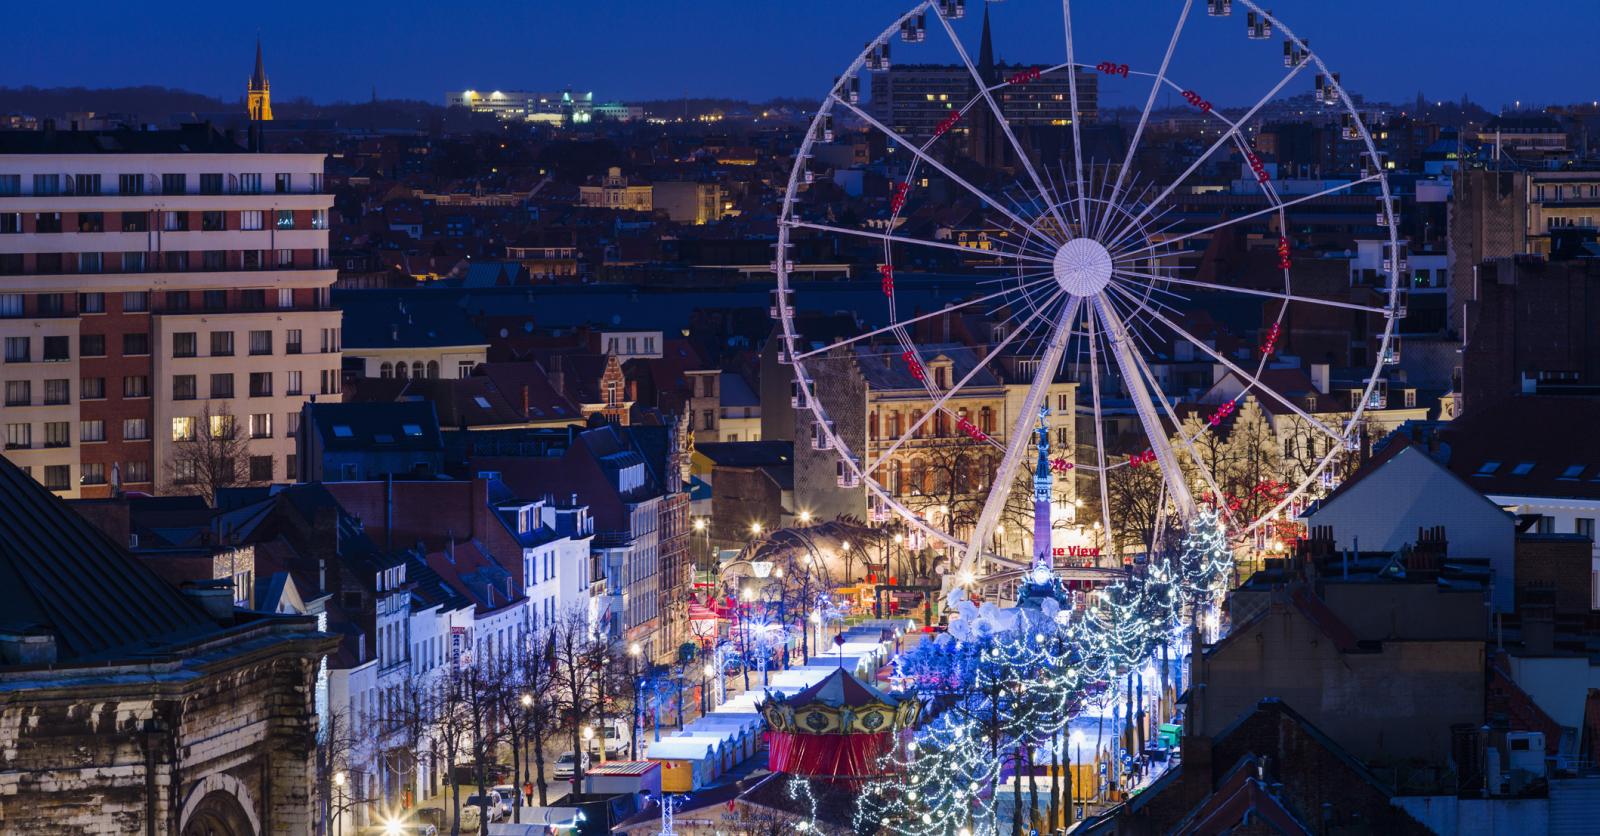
x=1159 y=443
x=1017 y=442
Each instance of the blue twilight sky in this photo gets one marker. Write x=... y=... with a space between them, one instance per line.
x=1497 y=51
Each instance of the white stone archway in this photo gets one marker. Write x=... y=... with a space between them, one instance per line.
x=224 y=783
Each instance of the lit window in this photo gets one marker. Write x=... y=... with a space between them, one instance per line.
x=341 y=431
x=1572 y=472
x=1487 y=468
x=1522 y=469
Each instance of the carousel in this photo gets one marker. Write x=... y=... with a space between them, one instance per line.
x=837 y=731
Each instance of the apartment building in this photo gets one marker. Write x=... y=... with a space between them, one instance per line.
x=147 y=279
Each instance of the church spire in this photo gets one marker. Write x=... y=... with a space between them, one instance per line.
x=986 y=49
x=258 y=93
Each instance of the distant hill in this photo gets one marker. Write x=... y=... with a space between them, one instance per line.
x=144 y=102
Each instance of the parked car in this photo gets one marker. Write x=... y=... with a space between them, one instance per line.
x=492 y=804
x=470 y=818
x=567 y=763
x=508 y=797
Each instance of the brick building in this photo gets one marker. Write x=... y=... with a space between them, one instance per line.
x=152 y=278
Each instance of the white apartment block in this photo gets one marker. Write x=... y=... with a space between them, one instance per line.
x=148 y=278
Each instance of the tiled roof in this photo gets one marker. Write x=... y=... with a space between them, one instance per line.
x=399 y=425
x=1541 y=446
x=379 y=319
x=59 y=573
x=188 y=139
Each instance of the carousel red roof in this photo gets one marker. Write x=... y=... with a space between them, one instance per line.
x=839 y=690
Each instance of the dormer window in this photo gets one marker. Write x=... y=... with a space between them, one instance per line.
x=1488 y=468
x=342 y=431
x=411 y=430
x=1572 y=473
x=1522 y=469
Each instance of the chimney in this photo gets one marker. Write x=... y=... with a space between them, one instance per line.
x=1319 y=377
x=214 y=596
x=31 y=645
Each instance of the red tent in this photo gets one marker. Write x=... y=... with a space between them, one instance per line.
x=836 y=730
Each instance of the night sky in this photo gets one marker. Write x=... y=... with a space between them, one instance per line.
x=1497 y=51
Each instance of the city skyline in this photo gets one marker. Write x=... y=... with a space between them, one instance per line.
x=639 y=52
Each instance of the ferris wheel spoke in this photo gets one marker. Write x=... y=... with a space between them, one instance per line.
x=1072 y=95
x=1099 y=427
x=1144 y=117
x=977 y=300
x=1251 y=380
x=1000 y=118
x=940 y=401
x=1226 y=137
x=942 y=169
x=1270 y=294
x=1123 y=350
x=1123 y=255
x=1149 y=378
x=1005 y=475
x=920 y=242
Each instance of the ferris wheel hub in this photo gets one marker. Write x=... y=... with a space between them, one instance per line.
x=1082 y=267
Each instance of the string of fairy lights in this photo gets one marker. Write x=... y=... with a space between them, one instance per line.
x=1005 y=680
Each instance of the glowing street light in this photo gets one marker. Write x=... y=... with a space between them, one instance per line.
x=805 y=517
x=700 y=524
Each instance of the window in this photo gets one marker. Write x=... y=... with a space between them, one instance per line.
x=130 y=184
x=136 y=301
x=261 y=384
x=175 y=221
x=183 y=344
x=57 y=350
x=174 y=183
x=1522 y=469
x=283 y=258
x=47 y=222
x=222 y=426
x=212 y=221
x=250 y=184
x=19 y=393
x=285 y=218
x=330 y=381
x=183 y=387
x=86 y=184
x=214 y=260
x=183 y=428
x=135 y=429
x=1546 y=524
x=10 y=223
x=433 y=369
x=319 y=219
x=177 y=300
x=1583 y=526
x=285 y=297
x=260 y=342
x=57 y=392
x=10 y=184
x=251 y=259
x=92 y=389
x=10 y=264
x=464 y=368
x=216 y=300
x=17 y=350
x=1572 y=473
x=94 y=473
x=136 y=386
x=19 y=436
x=330 y=340
x=261 y=425
x=91 y=303
x=175 y=261
x=10 y=305
x=222 y=385
x=90 y=262
x=135 y=345
x=57 y=477
x=261 y=468
x=291 y=341
x=250 y=219
x=136 y=472
x=51 y=304
x=184 y=472
x=291 y=427
x=135 y=222
x=45 y=184
x=293 y=385
x=91 y=222
x=57 y=434
x=90 y=345
x=283 y=183
x=221 y=343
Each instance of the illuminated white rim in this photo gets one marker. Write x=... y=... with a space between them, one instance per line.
x=1120 y=218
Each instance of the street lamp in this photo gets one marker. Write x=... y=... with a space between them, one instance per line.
x=744 y=643
x=705 y=685
x=338 y=783
x=755 y=529
x=805 y=517
x=638 y=714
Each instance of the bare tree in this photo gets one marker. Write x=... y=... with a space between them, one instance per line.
x=580 y=662
x=208 y=454
x=335 y=742
x=541 y=705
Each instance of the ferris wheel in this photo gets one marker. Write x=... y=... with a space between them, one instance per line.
x=1078 y=266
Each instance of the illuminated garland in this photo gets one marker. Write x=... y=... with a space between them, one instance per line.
x=1001 y=679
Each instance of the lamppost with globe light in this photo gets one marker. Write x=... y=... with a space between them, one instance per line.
x=527 y=754
x=638 y=715
x=338 y=785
